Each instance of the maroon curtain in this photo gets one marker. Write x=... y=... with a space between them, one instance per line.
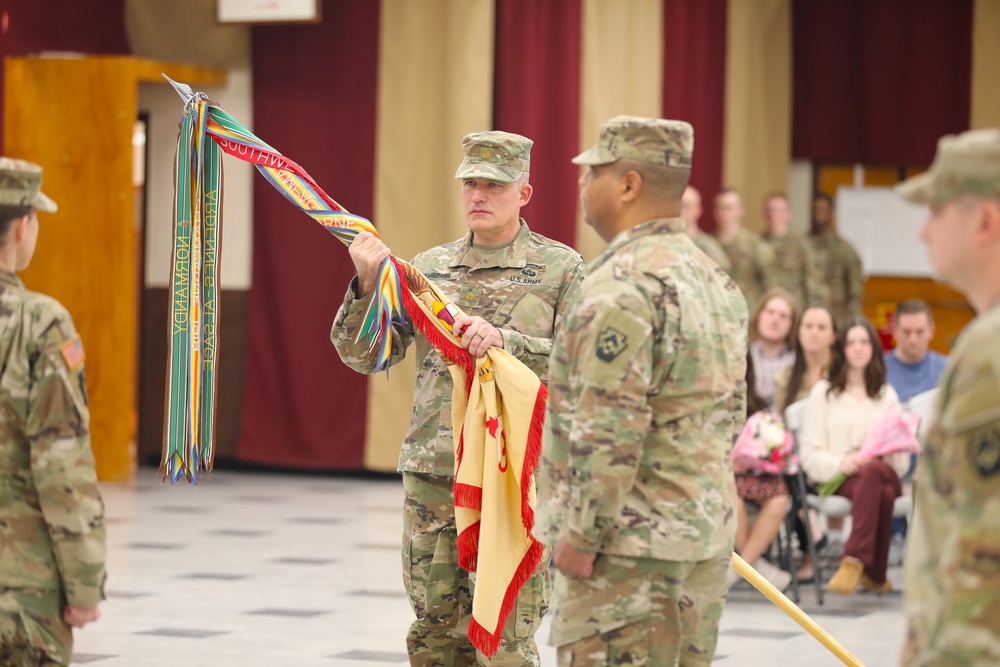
x=694 y=85
x=26 y=27
x=879 y=82
x=537 y=94
x=314 y=90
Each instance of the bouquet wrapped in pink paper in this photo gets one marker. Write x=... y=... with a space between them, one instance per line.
x=894 y=433
x=765 y=445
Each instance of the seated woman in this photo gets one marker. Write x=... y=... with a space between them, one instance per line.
x=840 y=414
x=769 y=493
x=815 y=336
x=816 y=333
x=772 y=336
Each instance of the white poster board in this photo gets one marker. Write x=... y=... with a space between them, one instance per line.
x=883 y=227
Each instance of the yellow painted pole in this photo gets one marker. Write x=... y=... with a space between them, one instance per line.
x=790 y=608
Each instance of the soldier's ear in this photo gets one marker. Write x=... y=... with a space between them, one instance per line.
x=524 y=195
x=20 y=227
x=989 y=222
x=631 y=185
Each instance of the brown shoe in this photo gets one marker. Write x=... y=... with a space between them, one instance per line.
x=869 y=585
x=847 y=577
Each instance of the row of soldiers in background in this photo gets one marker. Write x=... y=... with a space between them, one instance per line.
x=823 y=269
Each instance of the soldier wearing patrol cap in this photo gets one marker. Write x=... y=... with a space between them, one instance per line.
x=52 y=541
x=646 y=398
x=514 y=285
x=953 y=562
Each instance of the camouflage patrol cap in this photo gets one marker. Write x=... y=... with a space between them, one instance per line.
x=20 y=185
x=654 y=140
x=965 y=164
x=498 y=156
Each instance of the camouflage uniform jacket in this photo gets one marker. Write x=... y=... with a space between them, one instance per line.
x=796 y=269
x=751 y=263
x=711 y=247
x=841 y=270
x=647 y=396
x=953 y=558
x=522 y=290
x=51 y=515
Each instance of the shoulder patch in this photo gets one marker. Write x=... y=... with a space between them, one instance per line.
x=983 y=451
x=72 y=353
x=610 y=343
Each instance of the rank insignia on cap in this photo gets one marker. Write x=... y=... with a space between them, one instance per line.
x=984 y=453
x=610 y=343
x=485 y=153
x=72 y=353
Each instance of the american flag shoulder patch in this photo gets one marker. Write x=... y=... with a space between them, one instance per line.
x=72 y=353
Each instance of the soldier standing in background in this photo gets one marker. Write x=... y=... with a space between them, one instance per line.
x=838 y=261
x=691 y=211
x=751 y=259
x=52 y=538
x=953 y=562
x=514 y=286
x=647 y=396
x=795 y=265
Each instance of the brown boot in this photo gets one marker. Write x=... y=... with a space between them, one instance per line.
x=847 y=577
x=869 y=585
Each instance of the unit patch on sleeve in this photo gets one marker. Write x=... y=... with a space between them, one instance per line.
x=72 y=353
x=610 y=343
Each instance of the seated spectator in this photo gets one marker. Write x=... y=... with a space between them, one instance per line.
x=912 y=367
x=772 y=338
x=840 y=414
x=767 y=492
x=817 y=333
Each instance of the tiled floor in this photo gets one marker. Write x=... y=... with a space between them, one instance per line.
x=271 y=570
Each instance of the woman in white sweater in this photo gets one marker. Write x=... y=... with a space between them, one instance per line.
x=840 y=413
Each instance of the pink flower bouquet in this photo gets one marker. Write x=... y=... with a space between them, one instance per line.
x=894 y=433
x=765 y=445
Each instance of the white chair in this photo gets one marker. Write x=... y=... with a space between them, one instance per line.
x=923 y=405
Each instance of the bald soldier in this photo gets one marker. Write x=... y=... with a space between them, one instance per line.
x=953 y=562
x=52 y=538
x=647 y=396
x=514 y=285
x=691 y=210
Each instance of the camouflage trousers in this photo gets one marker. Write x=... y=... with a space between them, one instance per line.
x=32 y=630
x=640 y=611
x=440 y=592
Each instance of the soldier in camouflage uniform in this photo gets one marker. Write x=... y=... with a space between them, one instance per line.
x=691 y=211
x=514 y=285
x=647 y=397
x=795 y=266
x=953 y=562
x=52 y=542
x=751 y=259
x=839 y=263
